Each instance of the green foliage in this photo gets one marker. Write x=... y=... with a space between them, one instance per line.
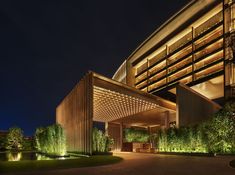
x=14 y=139
x=135 y=135
x=220 y=130
x=51 y=140
x=37 y=141
x=153 y=139
x=2 y=142
x=28 y=145
x=216 y=135
x=184 y=139
x=101 y=142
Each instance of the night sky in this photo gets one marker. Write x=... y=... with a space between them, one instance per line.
x=46 y=47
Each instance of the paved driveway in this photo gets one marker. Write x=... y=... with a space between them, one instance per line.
x=153 y=164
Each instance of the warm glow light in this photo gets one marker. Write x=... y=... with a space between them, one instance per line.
x=110 y=105
x=14 y=156
x=210 y=19
x=211 y=13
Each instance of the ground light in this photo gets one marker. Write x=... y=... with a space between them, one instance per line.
x=14 y=156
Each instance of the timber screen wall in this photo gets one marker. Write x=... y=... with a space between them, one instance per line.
x=75 y=115
x=192 y=107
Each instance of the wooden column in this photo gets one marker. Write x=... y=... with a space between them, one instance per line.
x=114 y=133
x=167 y=119
x=106 y=128
x=121 y=135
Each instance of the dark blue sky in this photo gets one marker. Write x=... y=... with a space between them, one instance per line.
x=47 y=46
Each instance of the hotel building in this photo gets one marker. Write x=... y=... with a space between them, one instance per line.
x=180 y=75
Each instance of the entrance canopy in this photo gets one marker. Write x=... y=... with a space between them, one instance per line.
x=113 y=100
x=97 y=98
x=110 y=105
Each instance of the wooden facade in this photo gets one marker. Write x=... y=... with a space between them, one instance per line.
x=97 y=98
x=192 y=49
x=192 y=107
x=75 y=114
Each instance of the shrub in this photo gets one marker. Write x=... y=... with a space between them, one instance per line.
x=216 y=135
x=101 y=142
x=220 y=130
x=51 y=140
x=183 y=139
x=28 y=145
x=153 y=139
x=2 y=142
x=162 y=141
x=135 y=135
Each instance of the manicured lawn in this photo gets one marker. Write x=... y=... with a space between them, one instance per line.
x=33 y=165
x=232 y=163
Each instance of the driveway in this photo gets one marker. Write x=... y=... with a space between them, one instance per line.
x=155 y=164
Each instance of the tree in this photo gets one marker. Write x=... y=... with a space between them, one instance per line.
x=15 y=139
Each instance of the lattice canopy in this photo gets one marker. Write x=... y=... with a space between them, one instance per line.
x=110 y=105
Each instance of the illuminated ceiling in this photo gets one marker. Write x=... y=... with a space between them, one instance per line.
x=112 y=100
x=148 y=118
x=110 y=105
x=212 y=89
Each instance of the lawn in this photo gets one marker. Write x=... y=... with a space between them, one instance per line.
x=33 y=165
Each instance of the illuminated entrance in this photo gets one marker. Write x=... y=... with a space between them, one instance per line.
x=97 y=98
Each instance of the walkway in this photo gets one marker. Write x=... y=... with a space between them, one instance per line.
x=152 y=164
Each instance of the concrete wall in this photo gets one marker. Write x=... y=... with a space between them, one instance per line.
x=192 y=107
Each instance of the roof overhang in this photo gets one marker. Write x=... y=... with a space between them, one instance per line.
x=113 y=100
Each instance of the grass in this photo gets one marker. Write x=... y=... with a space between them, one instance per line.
x=232 y=163
x=42 y=165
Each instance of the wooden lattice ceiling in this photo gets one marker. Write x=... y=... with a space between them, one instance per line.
x=111 y=105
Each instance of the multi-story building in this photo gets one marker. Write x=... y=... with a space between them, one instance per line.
x=194 y=47
x=179 y=75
